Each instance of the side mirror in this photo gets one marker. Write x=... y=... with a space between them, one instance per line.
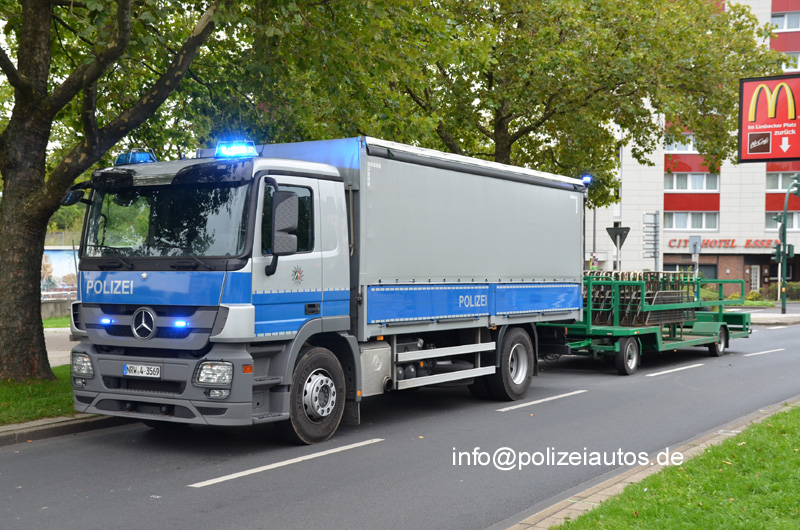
x=285 y=216
x=72 y=197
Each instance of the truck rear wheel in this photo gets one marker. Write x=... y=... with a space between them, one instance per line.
x=627 y=358
x=716 y=349
x=513 y=377
x=316 y=398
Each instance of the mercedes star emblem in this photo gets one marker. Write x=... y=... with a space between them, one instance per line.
x=143 y=324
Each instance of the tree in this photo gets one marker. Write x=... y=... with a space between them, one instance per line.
x=87 y=74
x=556 y=85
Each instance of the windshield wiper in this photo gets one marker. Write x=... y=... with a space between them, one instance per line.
x=189 y=265
x=113 y=264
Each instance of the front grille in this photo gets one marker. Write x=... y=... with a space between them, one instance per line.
x=144 y=385
x=208 y=411
x=161 y=310
x=161 y=332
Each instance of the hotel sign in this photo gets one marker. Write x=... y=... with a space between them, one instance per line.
x=768 y=125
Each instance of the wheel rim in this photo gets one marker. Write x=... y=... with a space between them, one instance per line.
x=319 y=395
x=630 y=355
x=721 y=343
x=518 y=364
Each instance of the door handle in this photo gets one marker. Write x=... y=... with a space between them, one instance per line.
x=312 y=309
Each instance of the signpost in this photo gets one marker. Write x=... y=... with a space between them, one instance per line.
x=652 y=238
x=618 y=235
x=768 y=124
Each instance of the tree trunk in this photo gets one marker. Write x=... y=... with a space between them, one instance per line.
x=502 y=134
x=22 y=231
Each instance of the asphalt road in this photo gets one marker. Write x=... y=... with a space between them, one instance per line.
x=396 y=470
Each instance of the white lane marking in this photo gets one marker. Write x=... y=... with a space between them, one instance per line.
x=784 y=326
x=763 y=352
x=676 y=370
x=282 y=464
x=529 y=403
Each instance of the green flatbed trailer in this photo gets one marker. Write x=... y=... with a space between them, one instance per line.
x=628 y=314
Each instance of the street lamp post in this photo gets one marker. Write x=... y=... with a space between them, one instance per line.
x=784 y=249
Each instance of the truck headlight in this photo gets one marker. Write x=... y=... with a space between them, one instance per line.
x=82 y=365
x=215 y=373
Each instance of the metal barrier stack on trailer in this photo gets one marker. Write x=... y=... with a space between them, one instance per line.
x=627 y=314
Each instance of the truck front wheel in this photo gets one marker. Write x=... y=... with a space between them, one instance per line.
x=513 y=377
x=317 y=396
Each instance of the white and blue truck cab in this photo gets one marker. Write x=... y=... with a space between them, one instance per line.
x=286 y=282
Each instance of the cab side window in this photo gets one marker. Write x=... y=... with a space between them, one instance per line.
x=305 y=225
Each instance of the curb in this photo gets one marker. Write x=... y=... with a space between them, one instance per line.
x=774 y=319
x=50 y=427
x=587 y=500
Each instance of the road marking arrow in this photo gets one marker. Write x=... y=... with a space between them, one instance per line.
x=785 y=144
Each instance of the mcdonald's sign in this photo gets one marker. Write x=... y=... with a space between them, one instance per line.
x=768 y=125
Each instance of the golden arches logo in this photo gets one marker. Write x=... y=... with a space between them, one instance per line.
x=772 y=101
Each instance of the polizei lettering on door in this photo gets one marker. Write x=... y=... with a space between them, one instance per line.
x=478 y=300
x=109 y=287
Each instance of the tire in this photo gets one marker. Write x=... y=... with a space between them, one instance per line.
x=513 y=377
x=316 y=398
x=627 y=358
x=717 y=349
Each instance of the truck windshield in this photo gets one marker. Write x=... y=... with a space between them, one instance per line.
x=200 y=219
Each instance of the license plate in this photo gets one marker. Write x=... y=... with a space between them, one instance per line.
x=141 y=370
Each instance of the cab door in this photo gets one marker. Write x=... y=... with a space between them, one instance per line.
x=287 y=299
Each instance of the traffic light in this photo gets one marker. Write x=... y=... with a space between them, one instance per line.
x=796 y=184
x=781 y=227
x=789 y=251
x=777 y=253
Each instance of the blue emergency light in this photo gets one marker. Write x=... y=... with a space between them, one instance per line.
x=136 y=156
x=236 y=148
x=106 y=321
x=180 y=323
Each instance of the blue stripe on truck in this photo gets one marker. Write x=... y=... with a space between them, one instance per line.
x=399 y=303
x=196 y=288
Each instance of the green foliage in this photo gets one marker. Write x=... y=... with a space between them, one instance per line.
x=556 y=85
x=792 y=291
x=56 y=322
x=748 y=481
x=33 y=400
x=754 y=296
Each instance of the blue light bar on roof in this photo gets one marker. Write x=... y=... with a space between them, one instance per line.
x=235 y=148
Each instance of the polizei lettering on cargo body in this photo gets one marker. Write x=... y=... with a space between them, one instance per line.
x=109 y=287
x=478 y=300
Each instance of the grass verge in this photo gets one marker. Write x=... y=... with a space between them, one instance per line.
x=749 y=481
x=33 y=400
x=56 y=322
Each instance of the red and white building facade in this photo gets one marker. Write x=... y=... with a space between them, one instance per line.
x=732 y=211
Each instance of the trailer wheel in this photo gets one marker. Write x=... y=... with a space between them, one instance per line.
x=316 y=398
x=716 y=349
x=627 y=358
x=513 y=377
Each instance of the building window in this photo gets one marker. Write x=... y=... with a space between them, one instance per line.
x=691 y=220
x=686 y=145
x=786 y=21
x=691 y=182
x=779 y=181
x=790 y=62
x=772 y=224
